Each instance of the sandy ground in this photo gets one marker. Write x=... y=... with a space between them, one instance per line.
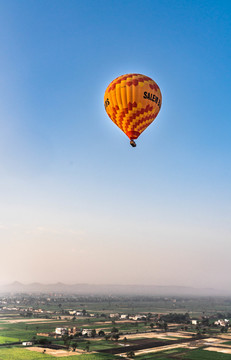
x=30 y=321
x=219 y=349
x=212 y=340
x=116 y=322
x=216 y=341
x=57 y=353
x=162 y=348
x=225 y=336
x=157 y=336
x=190 y=345
x=220 y=344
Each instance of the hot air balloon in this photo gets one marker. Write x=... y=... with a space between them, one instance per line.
x=132 y=102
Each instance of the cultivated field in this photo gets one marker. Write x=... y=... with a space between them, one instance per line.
x=155 y=334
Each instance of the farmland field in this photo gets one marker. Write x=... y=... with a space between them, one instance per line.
x=199 y=354
x=24 y=354
x=184 y=354
x=164 y=329
x=6 y=340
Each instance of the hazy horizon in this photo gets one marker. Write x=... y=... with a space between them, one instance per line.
x=26 y=284
x=87 y=289
x=78 y=204
x=85 y=283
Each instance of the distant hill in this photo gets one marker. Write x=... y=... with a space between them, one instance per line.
x=89 y=289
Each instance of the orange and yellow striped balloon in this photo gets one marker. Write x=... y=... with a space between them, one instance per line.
x=132 y=102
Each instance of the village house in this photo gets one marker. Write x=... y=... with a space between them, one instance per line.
x=72 y=312
x=123 y=316
x=61 y=331
x=79 y=313
x=222 y=322
x=114 y=315
x=138 y=317
x=87 y=332
x=72 y=331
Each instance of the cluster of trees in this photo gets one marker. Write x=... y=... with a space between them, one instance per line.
x=162 y=324
x=67 y=340
x=176 y=318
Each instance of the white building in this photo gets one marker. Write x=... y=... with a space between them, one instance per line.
x=222 y=322
x=138 y=317
x=61 y=331
x=87 y=332
x=114 y=315
x=79 y=313
x=72 y=312
x=123 y=316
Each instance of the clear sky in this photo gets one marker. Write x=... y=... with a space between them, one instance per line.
x=77 y=202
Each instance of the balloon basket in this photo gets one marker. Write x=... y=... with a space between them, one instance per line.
x=132 y=143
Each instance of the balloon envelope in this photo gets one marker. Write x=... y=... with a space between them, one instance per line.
x=132 y=102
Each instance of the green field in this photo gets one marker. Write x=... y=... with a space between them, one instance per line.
x=184 y=354
x=25 y=331
x=17 y=331
x=196 y=305
x=206 y=355
x=96 y=345
x=32 y=323
x=162 y=355
x=6 y=340
x=24 y=354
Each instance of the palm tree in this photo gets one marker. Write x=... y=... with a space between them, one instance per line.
x=115 y=337
x=130 y=354
x=74 y=345
x=165 y=326
x=34 y=339
x=101 y=333
x=107 y=337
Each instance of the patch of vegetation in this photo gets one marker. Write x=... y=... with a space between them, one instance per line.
x=163 y=355
x=7 y=340
x=227 y=343
x=199 y=354
x=24 y=354
x=184 y=354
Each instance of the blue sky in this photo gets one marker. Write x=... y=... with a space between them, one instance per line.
x=73 y=192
